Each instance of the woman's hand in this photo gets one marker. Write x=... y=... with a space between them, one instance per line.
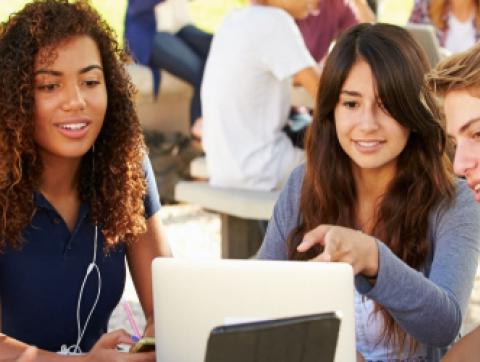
x=344 y=245
x=106 y=349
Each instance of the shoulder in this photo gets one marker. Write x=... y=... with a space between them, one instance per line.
x=269 y=14
x=462 y=210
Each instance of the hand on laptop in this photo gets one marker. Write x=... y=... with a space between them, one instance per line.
x=341 y=244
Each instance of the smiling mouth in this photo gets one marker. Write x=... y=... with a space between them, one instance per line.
x=73 y=126
x=369 y=144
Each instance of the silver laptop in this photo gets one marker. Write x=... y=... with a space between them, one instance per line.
x=191 y=297
x=426 y=37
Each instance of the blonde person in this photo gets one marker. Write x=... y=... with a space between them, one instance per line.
x=77 y=192
x=377 y=192
x=457 y=81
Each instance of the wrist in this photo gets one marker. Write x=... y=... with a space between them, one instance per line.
x=371 y=268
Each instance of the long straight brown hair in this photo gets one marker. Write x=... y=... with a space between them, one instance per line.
x=424 y=174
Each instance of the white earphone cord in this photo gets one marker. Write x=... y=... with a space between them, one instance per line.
x=75 y=348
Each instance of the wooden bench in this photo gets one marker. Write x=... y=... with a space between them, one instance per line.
x=169 y=112
x=241 y=213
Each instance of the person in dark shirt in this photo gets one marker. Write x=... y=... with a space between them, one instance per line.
x=182 y=53
x=77 y=192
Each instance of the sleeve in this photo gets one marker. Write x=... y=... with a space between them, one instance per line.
x=419 y=13
x=283 y=51
x=284 y=219
x=136 y=7
x=152 y=199
x=430 y=308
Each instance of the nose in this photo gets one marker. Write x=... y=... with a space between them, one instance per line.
x=74 y=99
x=368 y=119
x=464 y=161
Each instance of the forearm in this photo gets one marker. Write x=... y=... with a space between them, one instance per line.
x=414 y=301
x=362 y=11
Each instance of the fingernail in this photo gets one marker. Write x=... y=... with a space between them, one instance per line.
x=134 y=339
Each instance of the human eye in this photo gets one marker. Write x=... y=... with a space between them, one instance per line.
x=91 y=83
x=350 y=104
x=48 y=87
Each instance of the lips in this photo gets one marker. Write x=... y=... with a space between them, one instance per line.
x=368 y=146
x=73 y=128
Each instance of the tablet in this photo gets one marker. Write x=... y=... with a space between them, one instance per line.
x=308 y=338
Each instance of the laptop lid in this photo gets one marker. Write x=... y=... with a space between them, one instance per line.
x=310 y=338
x=191 y=297
x=424 y=35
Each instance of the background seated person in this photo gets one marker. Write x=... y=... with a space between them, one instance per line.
x=457 y=22
x=332 y=18
x=182 y=53
x=255 y=55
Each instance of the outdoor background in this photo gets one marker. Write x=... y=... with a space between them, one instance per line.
x=207 y=14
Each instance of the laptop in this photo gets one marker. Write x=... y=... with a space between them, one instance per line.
x=191 y=297
x=425 y=36
x=310 y=338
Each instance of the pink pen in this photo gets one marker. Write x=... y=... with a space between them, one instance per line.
x=131 y=319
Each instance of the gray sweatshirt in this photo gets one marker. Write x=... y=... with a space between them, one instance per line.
x=429 y=304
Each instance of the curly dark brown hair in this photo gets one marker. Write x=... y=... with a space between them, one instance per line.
x=116 y=188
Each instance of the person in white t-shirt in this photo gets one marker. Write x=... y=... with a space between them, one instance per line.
x=255 y=55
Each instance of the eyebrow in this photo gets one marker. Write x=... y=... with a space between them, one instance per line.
x=468 y=124
x=56 y=73
x=351 y=93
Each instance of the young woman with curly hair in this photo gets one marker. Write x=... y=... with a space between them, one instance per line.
x=77 y=192
x=377 y=192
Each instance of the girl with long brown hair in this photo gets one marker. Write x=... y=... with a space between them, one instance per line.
x=77 y=192
x=377 y=192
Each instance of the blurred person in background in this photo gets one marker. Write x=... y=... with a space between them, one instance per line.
x=256 y=54
x=181 y=52
x=457 y=22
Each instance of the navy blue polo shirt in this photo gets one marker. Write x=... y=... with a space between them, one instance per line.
x=40 y=284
